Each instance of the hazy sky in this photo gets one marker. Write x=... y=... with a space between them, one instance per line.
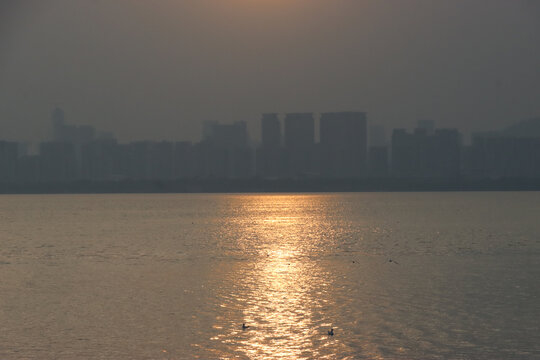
x=157 y=69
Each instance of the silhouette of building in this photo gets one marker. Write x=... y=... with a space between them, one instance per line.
x=403 y=153
x=423 y=155
x=161 y=160
x=270 y=131
x=100 y=160
x=146 y=160
x=184 y=166
x=378 y=161
x=445 y=153
x=57 y=161
x=300 y=144
x=270 y=160
x=343 y=145
x=242 y=163
x=134 y=160
x=28 y=168
x=224 y=151
x=498 y=155
x=378 y=152
x=9 y=153
x=226 y=135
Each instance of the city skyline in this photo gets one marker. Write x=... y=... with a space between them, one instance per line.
x=346 y=147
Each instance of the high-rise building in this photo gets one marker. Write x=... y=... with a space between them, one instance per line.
x=299 y=145
x=28 y=168
x=58 y=161
x=270 y=131
x=183 y=160
x=100 y=160
x=269 y=157
x=226 y=135
x=445 y=153
x=423 y=155
x=497 y=155
x=378 y=161
x=403 y=153
x=8 y=161
x=343 y=145
x=211 y=160
x=135 y=160
x=161 y=161
x=224 y=151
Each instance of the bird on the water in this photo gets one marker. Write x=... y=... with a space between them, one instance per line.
x=331 y=332
x=244 y=326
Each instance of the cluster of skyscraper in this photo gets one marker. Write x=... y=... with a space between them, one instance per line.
x=344 y=150
x=341 y=151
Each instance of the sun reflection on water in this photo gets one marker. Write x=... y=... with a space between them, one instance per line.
x=281 y=311
x=284 y=288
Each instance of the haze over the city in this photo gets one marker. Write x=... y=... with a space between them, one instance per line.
x=157 y=70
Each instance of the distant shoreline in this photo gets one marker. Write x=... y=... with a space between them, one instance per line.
x=257 y=185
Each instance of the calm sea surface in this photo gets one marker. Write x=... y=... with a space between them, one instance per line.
x=175 y=276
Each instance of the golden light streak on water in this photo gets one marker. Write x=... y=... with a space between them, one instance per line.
x=286 y=290
x=282 y=306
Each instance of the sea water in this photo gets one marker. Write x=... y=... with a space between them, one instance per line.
x=396 y=275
